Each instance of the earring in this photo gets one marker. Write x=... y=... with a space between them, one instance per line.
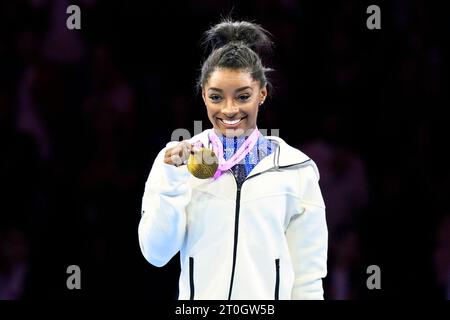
x=261 y=102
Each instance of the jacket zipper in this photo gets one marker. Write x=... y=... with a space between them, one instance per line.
x=277 y=278
x=236 y=217
x=236 y=228
x=191 y=277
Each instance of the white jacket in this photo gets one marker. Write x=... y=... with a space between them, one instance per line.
x=266 y=240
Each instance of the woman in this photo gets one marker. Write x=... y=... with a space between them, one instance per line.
x=256 y=229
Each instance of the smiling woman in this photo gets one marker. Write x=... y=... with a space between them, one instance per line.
x=256 y=229
x=232 y=99
x=233 y=79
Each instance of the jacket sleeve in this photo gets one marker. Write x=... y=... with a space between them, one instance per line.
x=163 y=222
x=307 y=237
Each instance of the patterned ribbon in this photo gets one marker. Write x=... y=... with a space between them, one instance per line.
x=244 y=149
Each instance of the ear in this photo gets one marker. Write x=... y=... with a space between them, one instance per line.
x=263 y=93
x=203 y=96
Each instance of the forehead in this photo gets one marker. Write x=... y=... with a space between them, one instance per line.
x=229 y=78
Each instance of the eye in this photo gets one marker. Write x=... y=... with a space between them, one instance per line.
x=215 y=98
x=244 y=97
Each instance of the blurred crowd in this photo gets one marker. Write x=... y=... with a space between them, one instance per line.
x=84 y=112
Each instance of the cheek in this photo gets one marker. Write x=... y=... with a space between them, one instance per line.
x=212 y=109
x=209 y=110
x=252 y=109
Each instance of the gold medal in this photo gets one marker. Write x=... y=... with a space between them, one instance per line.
x=203 y=164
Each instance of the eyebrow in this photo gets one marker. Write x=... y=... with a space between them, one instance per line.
x=237 y=90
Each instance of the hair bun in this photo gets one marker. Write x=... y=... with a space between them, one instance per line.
x=248 y=33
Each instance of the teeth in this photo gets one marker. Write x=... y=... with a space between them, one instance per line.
x=231 y=121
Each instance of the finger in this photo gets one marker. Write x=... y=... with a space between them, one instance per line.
x=190 y=148
x=196 y=148
x=176 y=160
x=167 y=157
x=185 y=153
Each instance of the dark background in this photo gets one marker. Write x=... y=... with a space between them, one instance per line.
x=84 y=112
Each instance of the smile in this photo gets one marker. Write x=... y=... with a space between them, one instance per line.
x=231 y=123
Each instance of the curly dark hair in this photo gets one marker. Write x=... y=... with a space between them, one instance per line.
x=236 y=45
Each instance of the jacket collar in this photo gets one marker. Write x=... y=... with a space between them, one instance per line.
x=283 y=156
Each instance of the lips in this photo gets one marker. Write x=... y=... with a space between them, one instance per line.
x=231 y=123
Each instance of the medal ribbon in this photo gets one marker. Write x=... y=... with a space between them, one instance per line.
x=239 y=154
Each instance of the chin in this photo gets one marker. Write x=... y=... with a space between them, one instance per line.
x=232 y=132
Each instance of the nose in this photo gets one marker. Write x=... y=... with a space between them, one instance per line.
x=230 y=109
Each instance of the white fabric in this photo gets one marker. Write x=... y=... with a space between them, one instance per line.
x=281 y=216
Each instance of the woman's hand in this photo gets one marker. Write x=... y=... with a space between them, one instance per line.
x=179 y=154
